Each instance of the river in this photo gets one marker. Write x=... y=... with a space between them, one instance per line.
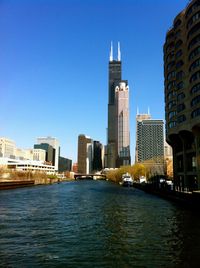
x=95 y=224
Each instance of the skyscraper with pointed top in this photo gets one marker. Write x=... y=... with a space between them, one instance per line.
x=118 y=136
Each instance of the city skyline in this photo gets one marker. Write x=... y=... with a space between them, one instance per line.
x=54 y=66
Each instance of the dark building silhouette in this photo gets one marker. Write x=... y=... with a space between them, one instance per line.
x=64 y=164
x=97 y=156
x=182 y=95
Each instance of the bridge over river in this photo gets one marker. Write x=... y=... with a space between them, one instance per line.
x=89 y=176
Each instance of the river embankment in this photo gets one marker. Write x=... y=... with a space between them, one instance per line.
x=10 y=179
x=191 y=199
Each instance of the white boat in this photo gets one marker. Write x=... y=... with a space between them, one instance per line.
x=127 y=180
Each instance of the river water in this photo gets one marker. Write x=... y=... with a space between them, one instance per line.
x=95 y=224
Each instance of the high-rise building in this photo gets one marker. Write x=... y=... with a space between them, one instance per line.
x=97 y=156
x=182 y=95
x=84 y=154
x=118 y=137
x=55 y=144
x=150 y=142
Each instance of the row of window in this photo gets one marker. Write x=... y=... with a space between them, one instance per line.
x=172 y=84
x=182 y=118
x=181 y=106
x=194 y=18
x=172 y=94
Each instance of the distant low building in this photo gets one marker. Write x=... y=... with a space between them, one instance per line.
x=26 y=165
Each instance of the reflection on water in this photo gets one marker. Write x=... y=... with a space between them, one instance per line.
x=95 y=224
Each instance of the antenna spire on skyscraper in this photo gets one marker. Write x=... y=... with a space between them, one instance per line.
x=111 y=52
x=119 y=52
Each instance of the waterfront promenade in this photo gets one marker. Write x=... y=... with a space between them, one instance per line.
x=95 y=224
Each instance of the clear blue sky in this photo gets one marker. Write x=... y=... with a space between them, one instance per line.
x=54 y=65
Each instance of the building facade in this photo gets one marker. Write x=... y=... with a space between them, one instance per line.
x=150 y=142
x=49 y=152
x=65 y=164
x=84 y=154
x=55 y=144
x=7 y=148
x=182 y=95
x=97 y=156
x=118 y=137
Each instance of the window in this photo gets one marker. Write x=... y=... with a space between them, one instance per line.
x=178 y=54
x=169 y=47
x=194 y=41
x=195 y=76
x=195 y=100
x=170 y=85
x=171 y=104
x=180 y=107
x=178 y=43
x=172 y=124
x=195 y=52
x=195 y=88
x=171 y=75
x=180 y=75
x=170 y=56
x=194 y=65
x=180 y=85
x=194 y=18
x=180 y=96
x=179 y=64
x=177 y=23
x=181 y=118
x=171 y=114
x=195 y=113
x=178 y=33
x=170 y=65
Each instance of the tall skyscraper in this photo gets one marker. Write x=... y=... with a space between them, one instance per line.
x=150 y=141
x=182 y=95
x=118 y=142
